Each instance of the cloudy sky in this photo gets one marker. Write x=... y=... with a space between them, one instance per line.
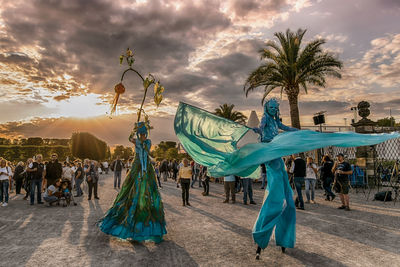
x=59 y=59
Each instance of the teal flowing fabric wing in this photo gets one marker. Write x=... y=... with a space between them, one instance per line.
x=207 y=138
x=211 y=141
x=289 y=143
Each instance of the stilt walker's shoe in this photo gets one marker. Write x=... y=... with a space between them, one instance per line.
x=258 y=252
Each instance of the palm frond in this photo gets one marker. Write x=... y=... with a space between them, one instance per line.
x=226 y=111
x=291 y=66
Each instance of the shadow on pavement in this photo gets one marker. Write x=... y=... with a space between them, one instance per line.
x=312 y=259
x=237 y=229
x=170 y=208
x=37 y=227
x=371 y=229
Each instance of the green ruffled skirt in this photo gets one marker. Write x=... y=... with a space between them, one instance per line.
x=137 y=212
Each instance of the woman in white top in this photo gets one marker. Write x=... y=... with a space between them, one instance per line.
x=67 y=172
x=310 y=179
x=5 y=179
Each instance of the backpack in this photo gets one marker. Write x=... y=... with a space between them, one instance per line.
x=381 y=196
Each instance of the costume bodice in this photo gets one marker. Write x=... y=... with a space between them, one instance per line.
x=142 y=152
x=269 y=127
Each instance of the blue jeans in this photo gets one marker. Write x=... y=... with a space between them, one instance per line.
x=78 y=183
x=38 y=184
x=117 y=177
x=195 y=177
x=247 y=189
x=239 y=185
x=327 y=186
x=298 y=182
x=50 y=199
x=310 y=183
x=4 y=185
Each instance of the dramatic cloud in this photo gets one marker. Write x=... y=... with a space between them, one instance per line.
x=60 y=58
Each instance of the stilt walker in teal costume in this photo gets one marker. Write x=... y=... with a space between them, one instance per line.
x=138 y=212
x=278 y=209
x=212 y=141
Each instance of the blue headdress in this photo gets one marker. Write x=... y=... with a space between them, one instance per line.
x=141 y=128
x=271 y=100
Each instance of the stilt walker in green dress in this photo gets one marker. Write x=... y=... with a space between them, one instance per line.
x=138 y=212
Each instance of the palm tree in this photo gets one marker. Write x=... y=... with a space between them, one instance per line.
x=290 y=67
x=226 y=111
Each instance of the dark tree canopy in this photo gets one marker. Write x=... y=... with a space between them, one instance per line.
x=387 y=122
x=35 y=141
x=123 y=152
x=86 y=145
x=226 y=111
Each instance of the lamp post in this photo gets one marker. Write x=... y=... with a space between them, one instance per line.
x=354 y=109
x=319 y=119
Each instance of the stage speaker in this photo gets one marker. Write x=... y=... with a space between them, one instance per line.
x=319 y=119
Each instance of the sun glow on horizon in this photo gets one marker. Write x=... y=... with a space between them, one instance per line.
x=83 y=106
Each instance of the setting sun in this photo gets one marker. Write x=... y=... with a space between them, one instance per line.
x=82 y=106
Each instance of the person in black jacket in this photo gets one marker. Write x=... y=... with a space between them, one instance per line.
x=92 y=177
x=327 y=177
x=53 y=170
x=37 y=170
x=205 y=180
x=18 y=177
x=299 y=172
x=164 y=170
x=117 y=167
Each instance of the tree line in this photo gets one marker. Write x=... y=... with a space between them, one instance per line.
x=80 y=145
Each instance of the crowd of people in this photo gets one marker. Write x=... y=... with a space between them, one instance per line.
x=51 y=181
x=333 y=175
x=302 y=173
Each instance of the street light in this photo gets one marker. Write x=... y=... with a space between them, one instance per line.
x=354 y=109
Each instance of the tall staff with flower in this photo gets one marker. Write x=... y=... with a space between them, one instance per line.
x=138 y=212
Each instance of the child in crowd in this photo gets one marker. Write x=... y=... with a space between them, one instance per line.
x=66 y=193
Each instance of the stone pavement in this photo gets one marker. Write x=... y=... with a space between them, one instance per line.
x=209 y=233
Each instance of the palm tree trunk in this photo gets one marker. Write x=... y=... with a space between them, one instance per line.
x=294 y=110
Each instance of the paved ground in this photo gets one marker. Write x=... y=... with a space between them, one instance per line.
x=209 y=233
